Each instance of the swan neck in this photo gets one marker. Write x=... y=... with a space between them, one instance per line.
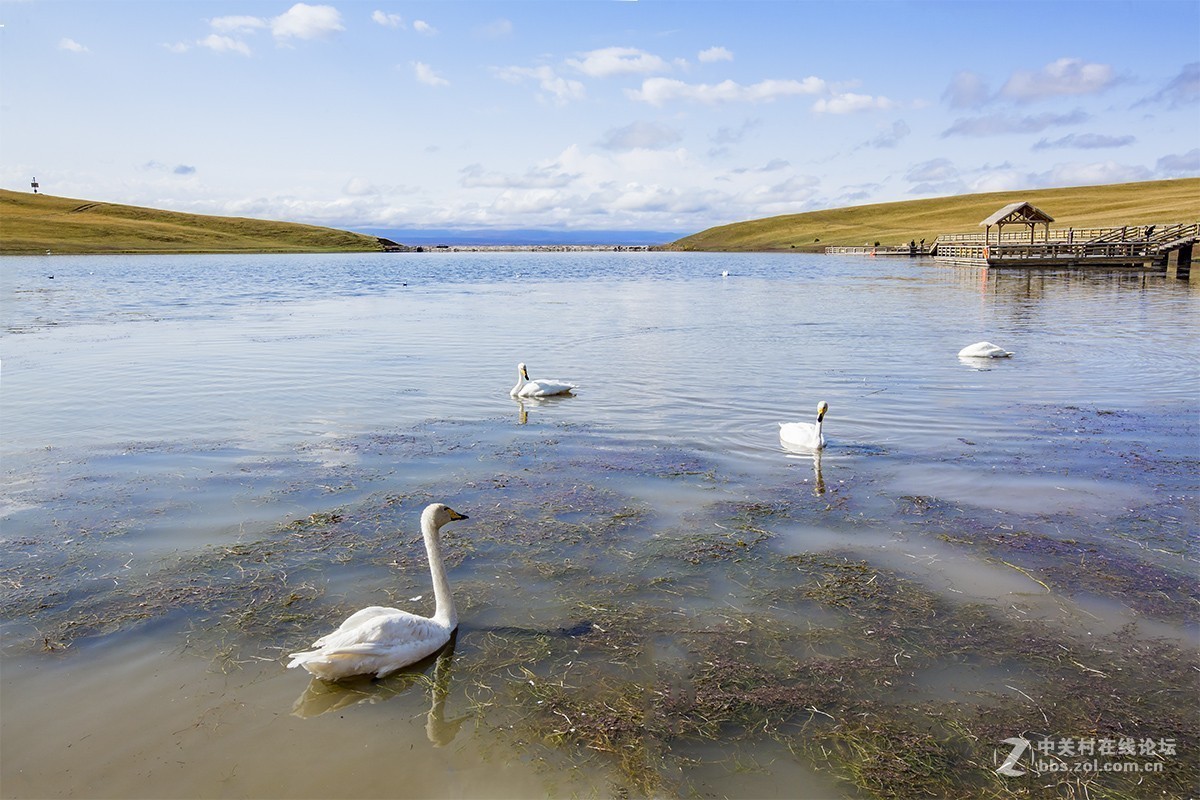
x=444 y=610
x=516 y=390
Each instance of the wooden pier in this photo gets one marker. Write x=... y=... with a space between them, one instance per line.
x=911 y=251
x=1151 y=247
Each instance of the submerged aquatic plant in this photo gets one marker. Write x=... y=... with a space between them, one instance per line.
x=595 y=633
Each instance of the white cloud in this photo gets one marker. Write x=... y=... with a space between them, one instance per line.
x=303 y=21
x=71 y=46
x=848 y=103
x=427 y=76
x=934 y=170
x=424 y=28
x=178 y=169
x=943 y=188
x=1180 y=165
x=640 y=135
x=714 y=54
x=996 y=124
x=1085 y=141
x=1093 y=174
x=533 y=201
x=496 y=29
x=1005 y=178
x=774 y=165
x=727 y=135
x=659 y=91
x=360 y=187
x=237 y=24
x=795 y=190
x=1183 y=89
x=1002 y=180
x=224 y=44
x=1066 y=76
x=560 y=90
x=890 y=137
x=610 y=61
x=545 y=176
x=966 y=90
x=387 y=20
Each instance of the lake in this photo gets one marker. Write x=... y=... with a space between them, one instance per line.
x=209 y=461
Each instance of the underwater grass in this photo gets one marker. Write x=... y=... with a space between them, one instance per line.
x=695 y=634
x=851 y=715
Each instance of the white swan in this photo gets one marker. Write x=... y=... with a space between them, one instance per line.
x=983 y=350
x=804 y=435
x=382 y=640
x=542 y=388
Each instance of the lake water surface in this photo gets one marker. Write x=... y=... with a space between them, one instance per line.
x=209 y=461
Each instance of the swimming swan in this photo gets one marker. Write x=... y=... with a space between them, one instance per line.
x=382 y=640
x=983 y=350
x=804 y=435
x=542 y=388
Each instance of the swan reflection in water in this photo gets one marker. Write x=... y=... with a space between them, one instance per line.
x=321 y=697
x=818 y=479
x=526 y=403
x=979 y=364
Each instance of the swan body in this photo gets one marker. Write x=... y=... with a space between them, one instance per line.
x=804 y=435
x=541 y=388
x=379 y=640
x=983 y=350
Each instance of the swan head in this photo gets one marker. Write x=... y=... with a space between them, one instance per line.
x=822 y=407
x=438 y=514
x=524 y=373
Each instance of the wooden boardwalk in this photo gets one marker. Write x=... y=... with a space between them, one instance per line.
x=881 y=250
x=1143 y=247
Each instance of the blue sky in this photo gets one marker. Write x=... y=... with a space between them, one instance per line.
x=668 y=116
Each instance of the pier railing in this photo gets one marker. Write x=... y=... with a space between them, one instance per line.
x=881 y=250
x=1133 y=245
x=1053 y=251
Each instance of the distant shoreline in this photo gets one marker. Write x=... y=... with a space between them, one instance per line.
x=525 y=248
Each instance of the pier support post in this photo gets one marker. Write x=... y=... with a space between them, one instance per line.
x=1179 y=264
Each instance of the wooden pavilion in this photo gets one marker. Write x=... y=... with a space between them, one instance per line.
x=1017 y=214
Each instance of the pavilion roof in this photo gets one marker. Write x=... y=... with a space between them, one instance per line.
x=1018 y=213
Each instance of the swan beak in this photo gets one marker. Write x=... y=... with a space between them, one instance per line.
x=454 y=515
x=524 y=373
x=821 y=412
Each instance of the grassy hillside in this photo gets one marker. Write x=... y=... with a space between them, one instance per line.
x=32 y=223
x=900 y=223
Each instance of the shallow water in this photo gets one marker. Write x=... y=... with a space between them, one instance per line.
x=192 y=442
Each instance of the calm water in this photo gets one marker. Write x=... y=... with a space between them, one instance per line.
x=161 y=415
